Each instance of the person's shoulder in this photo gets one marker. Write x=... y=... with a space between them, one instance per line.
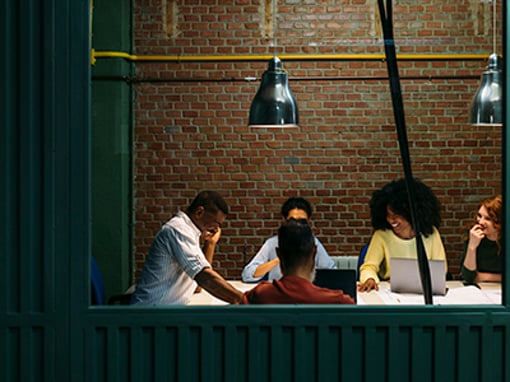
x=382 y=234
x=273 y=240
x=252 y=296
x=435 y=232
x=316 y=240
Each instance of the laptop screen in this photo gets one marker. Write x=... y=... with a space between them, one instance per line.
x=337 y=279
x=405 y=276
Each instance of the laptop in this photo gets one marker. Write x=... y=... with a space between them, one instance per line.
x=405 y=276
x=344 y=279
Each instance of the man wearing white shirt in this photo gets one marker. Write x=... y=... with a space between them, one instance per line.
x=177 y=263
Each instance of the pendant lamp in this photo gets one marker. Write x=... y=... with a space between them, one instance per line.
x=274 y=105
x=486 y=107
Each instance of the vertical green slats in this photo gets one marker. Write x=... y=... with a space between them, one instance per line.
x=170 y=356
x=218 y=352
x=236 y=348
x=259 y=353
x=375 y=357
x=123 y=360
x=305 y=361
x=187 y=360
x=62 y=274
x=506 y=352
x=136 y=344
x=11 y=359
x=98 y=353
x=9 y=223
x=328 y=357
x=30 y=159
x=48 y=291
x=33 y=362
x=399 y=354
x=115 y=363
x=75 y=203
x=203 y=335
x=50 y=351
x=113 y=354
x=469 y=353
x=148 y=357
x=491 y=353
x=422 y=353
x=276 y=359
x=445 y=339
x=353 y=353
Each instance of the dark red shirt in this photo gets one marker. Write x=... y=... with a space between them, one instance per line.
x=294 y=290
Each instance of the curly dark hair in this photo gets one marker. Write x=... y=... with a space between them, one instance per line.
x=395 y=196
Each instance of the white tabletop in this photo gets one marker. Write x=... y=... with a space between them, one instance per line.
x=458 y=294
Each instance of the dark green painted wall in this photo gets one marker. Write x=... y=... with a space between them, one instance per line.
x=48 y=332
x=112 y=145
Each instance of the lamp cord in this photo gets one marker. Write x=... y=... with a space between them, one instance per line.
x=494 y=26
x=398 y=112
x=274 y=28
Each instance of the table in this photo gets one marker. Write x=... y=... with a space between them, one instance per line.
x=458 y=294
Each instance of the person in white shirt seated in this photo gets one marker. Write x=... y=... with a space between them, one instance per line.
x=265 y=265
x=181 y=255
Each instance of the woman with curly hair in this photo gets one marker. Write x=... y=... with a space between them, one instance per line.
x=394 y=234
x=482 y=259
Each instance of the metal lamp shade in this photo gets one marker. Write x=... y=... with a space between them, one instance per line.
x=486 y=107
x=274 y=104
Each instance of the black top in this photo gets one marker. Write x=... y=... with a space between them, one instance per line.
x=487 y=260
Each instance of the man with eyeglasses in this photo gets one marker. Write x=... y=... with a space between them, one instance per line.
x=177 y=262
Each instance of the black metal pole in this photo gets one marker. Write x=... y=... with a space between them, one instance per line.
x=398 y=111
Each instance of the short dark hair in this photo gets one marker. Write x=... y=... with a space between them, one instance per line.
x=210 y=200
x=394 y=195
x=295 y=243
x=296 y=202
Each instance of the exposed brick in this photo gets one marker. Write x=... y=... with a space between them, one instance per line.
x=191 y=133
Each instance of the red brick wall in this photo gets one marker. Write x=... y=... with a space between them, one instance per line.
x=191 y=118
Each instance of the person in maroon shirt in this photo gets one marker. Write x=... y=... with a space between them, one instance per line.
x=296 y=251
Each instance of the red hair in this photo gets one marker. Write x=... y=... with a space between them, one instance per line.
x=494 y=207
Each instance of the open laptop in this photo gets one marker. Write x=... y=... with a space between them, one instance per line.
x=344 y=279
x=405 y=276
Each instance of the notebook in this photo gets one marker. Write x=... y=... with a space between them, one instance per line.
x=344 y=279
x=405 y=276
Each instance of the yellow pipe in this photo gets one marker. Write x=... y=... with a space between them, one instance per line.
x=298 y=57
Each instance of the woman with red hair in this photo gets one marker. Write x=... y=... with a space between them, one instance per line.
x=482 y=258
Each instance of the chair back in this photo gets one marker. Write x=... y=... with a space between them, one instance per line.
x=97 y=289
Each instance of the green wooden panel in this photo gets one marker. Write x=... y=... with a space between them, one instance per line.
x=35 y=115
x=264 y=344
x=111 y=149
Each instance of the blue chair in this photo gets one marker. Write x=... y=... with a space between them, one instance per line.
x=361 y=256
x=97 y=289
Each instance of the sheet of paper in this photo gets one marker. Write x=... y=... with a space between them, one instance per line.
x=494 y=295
x=469 y=295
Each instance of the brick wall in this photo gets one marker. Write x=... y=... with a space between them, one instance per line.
x=191 y=118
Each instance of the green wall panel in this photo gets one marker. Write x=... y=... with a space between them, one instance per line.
x=111 y=148
x=297 y=344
